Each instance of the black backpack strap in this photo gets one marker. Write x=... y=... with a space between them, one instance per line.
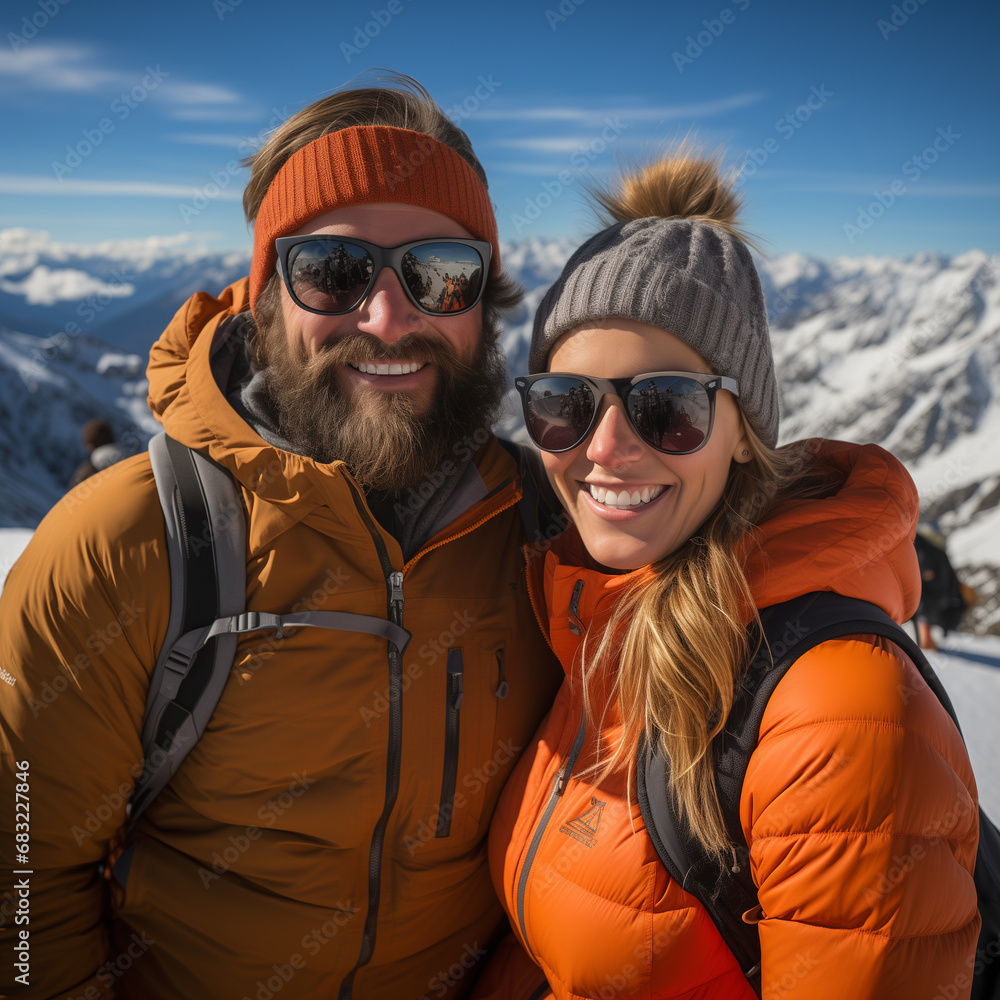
x=726 y=893
x=541 y=513
x=788 y=630
x=206 y=546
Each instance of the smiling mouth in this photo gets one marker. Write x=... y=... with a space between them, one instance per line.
x=387 y=367
x=624 y=498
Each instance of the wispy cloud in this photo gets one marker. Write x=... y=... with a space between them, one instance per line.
x=198 y=93
x=67 y=68
x=57 y=67
x=20 y=184
x=628 y=112
x=228 y=113
x=224 y=139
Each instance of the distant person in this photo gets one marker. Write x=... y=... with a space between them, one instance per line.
x=943 y=598
x=99 y=440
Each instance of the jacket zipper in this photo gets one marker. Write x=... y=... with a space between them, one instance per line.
x=451 y=732
x=472 y=527
x=394 y=589
x=558 y=787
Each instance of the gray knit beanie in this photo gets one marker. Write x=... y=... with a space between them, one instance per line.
x=694 y=279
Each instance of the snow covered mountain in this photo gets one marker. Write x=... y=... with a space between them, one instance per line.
x=901 y=352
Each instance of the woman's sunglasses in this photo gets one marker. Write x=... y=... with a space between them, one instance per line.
x=332 y=275
x=672 y=412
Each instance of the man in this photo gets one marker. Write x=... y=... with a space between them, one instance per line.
x=326 y=836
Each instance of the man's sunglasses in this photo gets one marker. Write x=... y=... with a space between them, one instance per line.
x=672 y=412
x=332 y=275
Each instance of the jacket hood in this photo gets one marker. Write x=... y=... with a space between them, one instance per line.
x=857 y=540
x=184 y=393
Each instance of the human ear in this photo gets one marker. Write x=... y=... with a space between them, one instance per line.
x=743 y=452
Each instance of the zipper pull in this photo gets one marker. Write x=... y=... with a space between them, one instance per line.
x=576 y=625
x=455 y=679
x=396 y=598
x=561 y=783
x=502 y=686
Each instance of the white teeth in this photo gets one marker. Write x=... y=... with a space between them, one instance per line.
x=384 y=368
x=616 y=499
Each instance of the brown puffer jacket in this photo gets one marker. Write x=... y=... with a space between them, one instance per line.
x=275 y=863
x=859 y=803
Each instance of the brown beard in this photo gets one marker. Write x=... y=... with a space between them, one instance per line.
x=377 y=434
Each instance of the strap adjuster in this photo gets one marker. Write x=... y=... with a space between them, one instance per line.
x=256 y=621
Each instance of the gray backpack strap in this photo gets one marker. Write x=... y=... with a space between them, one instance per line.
x=206 y=547
x=206 y=544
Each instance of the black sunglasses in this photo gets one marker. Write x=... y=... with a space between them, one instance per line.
x=672 y=412
x=332 y=275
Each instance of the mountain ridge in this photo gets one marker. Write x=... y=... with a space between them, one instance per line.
x=902 y=352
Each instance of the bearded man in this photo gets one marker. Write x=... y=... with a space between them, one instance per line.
x=326 y=835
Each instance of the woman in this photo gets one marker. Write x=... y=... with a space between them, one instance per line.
x=859 y=804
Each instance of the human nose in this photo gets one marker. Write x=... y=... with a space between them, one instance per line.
x=387 y=312
x=614 y=442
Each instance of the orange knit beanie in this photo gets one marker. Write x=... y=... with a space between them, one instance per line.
x=365 y=164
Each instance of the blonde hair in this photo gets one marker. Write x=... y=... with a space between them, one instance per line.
x=677 y=645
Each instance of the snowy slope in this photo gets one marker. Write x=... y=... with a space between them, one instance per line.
x=901 y=352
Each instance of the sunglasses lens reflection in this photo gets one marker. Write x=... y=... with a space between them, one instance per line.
x=559 y=411
x=328 y=275
x=672 y=413
x=443 y=277
x=333 y=276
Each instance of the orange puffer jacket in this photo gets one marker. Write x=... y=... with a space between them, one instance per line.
x=275 y=862
x=859 y=804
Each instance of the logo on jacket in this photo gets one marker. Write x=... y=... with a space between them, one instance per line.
x=584 y=827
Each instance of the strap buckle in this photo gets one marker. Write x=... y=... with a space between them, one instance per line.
x=255 y=621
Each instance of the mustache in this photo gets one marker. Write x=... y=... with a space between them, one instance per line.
x=365 y=347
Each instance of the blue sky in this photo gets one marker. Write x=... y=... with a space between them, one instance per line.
x=863 y=128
